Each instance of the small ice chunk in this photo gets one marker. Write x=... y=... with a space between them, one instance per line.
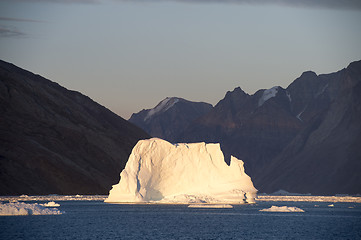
x=50 y=204
x=20 y=208
x=282 y=209
x=210 y=206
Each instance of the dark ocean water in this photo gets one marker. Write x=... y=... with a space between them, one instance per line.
x=98 y=220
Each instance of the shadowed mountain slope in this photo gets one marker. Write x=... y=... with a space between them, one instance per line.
x=325 y=156
x=305 y=138
x=54 y=140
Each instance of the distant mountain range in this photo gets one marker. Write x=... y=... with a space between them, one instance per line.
x=57 y=141
x=305 y=138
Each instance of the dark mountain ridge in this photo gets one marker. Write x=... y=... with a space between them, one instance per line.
x=54 y=140
x=325 y=157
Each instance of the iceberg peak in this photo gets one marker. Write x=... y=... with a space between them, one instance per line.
x=158 y=171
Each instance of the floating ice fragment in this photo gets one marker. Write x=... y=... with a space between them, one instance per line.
x=282 y=209
x=20 y=208
x=210 y=206
x=50 y=204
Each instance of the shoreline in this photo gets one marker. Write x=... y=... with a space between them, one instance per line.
x=259 y=198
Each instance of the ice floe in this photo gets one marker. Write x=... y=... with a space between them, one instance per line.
x=21 y=208
x=282 y=209
x=51 y=204
x=47 y=198
x=300 y=198
x=210 y=206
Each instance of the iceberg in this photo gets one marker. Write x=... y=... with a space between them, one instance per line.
x=160 y=172
x=282 y=209
x=20 y=208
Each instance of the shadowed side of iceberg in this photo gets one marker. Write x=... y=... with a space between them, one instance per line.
x=158 y=171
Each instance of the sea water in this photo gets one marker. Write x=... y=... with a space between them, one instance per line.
x=99 y=220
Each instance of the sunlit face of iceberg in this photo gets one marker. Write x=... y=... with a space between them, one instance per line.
x=158 y=171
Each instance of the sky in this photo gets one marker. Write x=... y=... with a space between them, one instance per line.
x=128 y=55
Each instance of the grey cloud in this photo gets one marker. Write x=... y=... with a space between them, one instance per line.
x=9 y=19
x=10 y=32
x=57 y=1
x=325 y=4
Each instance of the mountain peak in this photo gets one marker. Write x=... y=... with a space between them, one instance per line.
x=308 y=74
x=163 y=106
x=237 y=90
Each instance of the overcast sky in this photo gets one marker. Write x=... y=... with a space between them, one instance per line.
x=129 y=55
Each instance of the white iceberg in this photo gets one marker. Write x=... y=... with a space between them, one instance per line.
x=20 y=208
x=282 y=209
x=51 y=204
x=158 y=171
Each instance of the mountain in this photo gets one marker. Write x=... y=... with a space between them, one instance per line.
x=305 y=138
x=57 y=141
x=325 y=156
x=170 y=117
x=254 y=128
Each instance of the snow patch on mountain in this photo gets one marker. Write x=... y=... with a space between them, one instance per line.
x=322 y=90
x=158 y=171
x=289 y=96
x=163 y=106
x=299 y=115
x=267 y=94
